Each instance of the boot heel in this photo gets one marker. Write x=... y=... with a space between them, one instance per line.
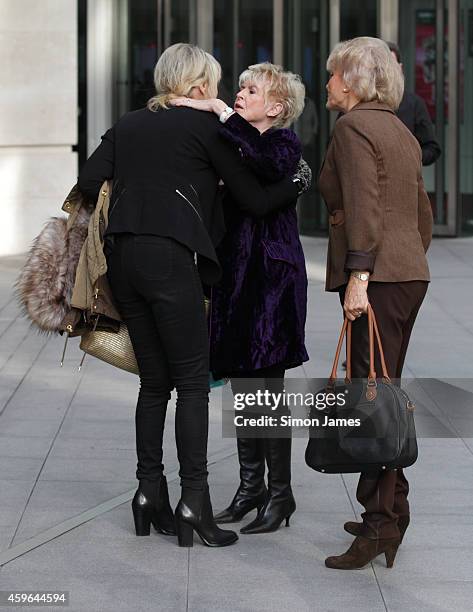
x=390 y=555
x=185 y=534
x=287 y=520
x=142 y=523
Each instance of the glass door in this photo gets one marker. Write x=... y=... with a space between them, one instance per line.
x=295 y=33
x=144 y=28
x=242 y=35
x=428 y=38
x=466 y=117
x=306 y=45
x=358 y=18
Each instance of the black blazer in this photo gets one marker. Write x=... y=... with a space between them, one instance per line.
x=414 y=114
x=166 y=166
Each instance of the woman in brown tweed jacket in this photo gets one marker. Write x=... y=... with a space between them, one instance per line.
x=380 y=229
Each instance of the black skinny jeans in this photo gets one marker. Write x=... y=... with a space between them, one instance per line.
x=157 y=289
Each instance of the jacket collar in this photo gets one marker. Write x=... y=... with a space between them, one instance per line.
x=373 y=105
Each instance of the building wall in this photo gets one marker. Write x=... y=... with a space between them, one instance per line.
x=38 y=115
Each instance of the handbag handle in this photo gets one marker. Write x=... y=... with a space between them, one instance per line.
x=384 y=369
x=373 y=332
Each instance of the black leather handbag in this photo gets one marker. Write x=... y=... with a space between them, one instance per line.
x=371 y=425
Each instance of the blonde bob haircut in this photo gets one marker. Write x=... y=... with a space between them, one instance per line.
x=369 y=69
x=180 y=68
x=278 y=86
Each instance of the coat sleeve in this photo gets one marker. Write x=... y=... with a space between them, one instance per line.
x=249 y=194
x=99 y=167
x=356 y=165
x=425 y=217
x=425 y=133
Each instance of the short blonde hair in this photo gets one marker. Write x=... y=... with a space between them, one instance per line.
x=180 y=68
x=280 y=86
x=369 y=69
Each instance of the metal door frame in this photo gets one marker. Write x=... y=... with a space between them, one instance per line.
x=447 y=176
x=453 y=226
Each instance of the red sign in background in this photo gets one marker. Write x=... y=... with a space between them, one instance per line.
x=425 y=62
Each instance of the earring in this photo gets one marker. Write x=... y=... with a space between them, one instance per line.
x=346 y=90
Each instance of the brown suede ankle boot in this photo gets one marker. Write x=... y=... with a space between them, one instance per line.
x=362 y=551
x=354 y=528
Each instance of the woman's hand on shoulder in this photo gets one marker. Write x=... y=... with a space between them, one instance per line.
x=212 y=105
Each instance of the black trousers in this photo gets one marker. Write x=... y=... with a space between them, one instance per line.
x=269 y=379
x=157 y=289
x=384 y=494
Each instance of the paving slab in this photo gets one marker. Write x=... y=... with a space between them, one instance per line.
x=53 y=502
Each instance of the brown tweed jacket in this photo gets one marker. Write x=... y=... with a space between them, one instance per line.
x=380 y=214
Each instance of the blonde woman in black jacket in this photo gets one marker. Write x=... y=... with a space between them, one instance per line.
x=164 y=222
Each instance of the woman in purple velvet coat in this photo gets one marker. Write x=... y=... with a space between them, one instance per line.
x=258 y=309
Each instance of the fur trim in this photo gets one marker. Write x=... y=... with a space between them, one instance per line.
x=272 y=155
x=44 y=287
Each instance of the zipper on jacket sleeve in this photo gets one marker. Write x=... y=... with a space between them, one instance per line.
x=190 y=203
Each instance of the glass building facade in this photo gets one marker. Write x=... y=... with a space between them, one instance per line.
x=435 y=37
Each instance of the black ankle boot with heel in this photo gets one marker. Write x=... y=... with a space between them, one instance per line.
x=194 y=513
x=151 y=505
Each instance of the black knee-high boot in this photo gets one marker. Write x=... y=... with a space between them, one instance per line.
x=252 y=491
x=280 y=503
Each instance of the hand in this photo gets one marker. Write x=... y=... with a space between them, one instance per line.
x=356 y=298
x=304 y=175
x=212 y=105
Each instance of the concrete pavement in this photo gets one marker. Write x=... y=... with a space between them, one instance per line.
x=67 y=464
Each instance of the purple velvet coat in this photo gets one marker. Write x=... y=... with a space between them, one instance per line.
x=258 y=309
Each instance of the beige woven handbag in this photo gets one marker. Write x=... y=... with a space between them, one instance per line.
x=115 y=348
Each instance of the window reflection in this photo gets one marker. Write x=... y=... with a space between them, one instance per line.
x=305 y=52
x=358 y=18
x=243 y=35
x=255 y=40
x=179 y=25
x=418 y=29
x=142 y=19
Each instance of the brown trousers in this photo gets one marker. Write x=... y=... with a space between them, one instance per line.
x=384 y=494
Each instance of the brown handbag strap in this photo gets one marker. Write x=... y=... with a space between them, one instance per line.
x=384 y=369
x=348 y=352
x=372 y=372
x=333 y=375
x=373 y=332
